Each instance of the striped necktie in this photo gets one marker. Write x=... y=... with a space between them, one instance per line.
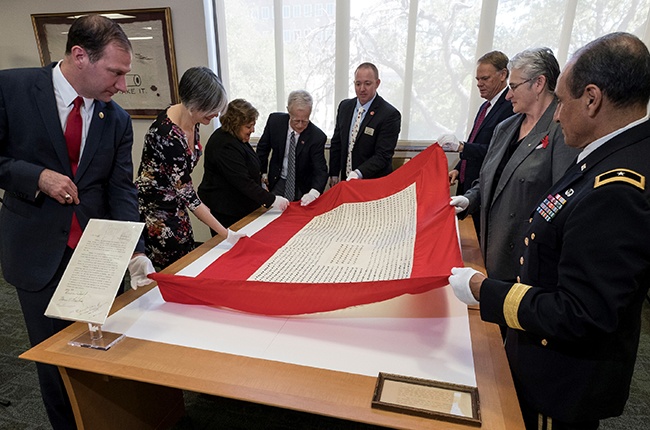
x=290 y=185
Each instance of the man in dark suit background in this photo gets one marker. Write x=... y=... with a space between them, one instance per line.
x=366 y=131
x=304 y=176
x=51 y=191
x=492 y=81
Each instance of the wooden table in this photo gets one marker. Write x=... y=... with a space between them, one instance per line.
x=138 y=384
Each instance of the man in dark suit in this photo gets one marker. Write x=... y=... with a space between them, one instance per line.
x=51 y=191
x=574 y=314
x=492 y=81
x=366 y=131
x=297 y=169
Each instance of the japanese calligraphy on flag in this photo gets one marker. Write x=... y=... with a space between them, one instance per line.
x=363 y=241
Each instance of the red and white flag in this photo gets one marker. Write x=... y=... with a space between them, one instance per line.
x=363 y=241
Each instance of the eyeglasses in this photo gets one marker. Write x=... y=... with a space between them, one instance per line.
x=298 y=121
x=513 y=87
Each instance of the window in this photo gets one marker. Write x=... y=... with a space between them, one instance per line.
x=425 y=50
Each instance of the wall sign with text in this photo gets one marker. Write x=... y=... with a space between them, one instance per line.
x=152 y=84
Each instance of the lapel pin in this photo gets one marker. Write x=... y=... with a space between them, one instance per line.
x=583 y=167
x=101 y=115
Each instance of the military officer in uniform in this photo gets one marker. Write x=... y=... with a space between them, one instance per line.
x=573 y=317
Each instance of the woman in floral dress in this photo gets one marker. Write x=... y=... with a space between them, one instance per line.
x=171 y=151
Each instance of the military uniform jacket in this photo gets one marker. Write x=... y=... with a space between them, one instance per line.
x=574 y=319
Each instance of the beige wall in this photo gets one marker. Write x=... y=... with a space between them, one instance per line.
x=18 y=48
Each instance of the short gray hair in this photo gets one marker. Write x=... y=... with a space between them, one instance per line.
x=201 y=90
x=300 y=99
x=537 y=62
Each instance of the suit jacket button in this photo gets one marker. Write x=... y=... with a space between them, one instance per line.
x=530 y=220
x=532 y=236
x=521 y=260
x=526 y=241
x=544 y=342
x=518 y=278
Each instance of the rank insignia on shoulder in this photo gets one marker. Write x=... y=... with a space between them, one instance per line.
x=551 y=206
x=620 y=175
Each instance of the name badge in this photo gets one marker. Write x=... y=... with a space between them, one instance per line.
x=369 y=131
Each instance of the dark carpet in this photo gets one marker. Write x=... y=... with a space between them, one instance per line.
x=18 y=384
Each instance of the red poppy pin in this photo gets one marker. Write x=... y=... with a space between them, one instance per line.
x=544 y=143
x=372 y=112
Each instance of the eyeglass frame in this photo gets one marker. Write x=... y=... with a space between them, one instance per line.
x=515 y=86
x=298 y=121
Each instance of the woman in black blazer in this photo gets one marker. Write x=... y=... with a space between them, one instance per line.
x=232 y=182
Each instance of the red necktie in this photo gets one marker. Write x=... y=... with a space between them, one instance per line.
x=477 y=124
x=73 y=140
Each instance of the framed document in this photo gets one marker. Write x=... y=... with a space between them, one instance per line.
x=152 y=84
x=426 y=398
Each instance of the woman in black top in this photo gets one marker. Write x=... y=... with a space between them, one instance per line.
x=232 y=182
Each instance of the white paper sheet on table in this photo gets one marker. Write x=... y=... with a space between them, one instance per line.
x=425 y=335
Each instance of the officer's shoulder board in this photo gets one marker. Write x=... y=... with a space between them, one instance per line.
x=620 y=175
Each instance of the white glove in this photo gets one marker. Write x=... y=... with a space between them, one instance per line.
x=353 y=175
x=460 y=203
x=312 y=195
x=449 y=143
x=280 y=203
x=234 y=236
x=139 y=267
x=459 y=281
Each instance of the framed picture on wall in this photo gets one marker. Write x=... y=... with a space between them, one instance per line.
x=152 y=84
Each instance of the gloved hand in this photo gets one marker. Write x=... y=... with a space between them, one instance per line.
x=312 y=195
x=460 y=203
x=449 y=143
x=459 y=281
x=353 y=175
x=280 y=203
x=139 y=267
x=234 y=236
